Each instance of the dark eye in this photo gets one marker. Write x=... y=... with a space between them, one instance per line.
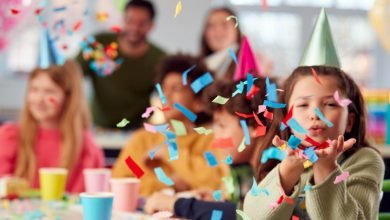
x=331 y=104
x=301 y=105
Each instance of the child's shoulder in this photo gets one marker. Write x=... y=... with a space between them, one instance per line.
x=366 y=162
x=9 y=129
x=367 y=154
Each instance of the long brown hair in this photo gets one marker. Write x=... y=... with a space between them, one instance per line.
x=347 y=87
x=74 y=120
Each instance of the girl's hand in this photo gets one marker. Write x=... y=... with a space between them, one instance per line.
x=291 y=167
x=327 y=158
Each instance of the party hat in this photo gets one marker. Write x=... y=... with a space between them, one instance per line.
x=48 y=53
x=321 y=49
x=247 y=62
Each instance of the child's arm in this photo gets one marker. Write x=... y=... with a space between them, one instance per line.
x=357 y=197
x=286 y=178
x=9 y=143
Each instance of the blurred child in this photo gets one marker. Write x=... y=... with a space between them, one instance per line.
x=226 y=124
x=54 y=129
x=190 y=170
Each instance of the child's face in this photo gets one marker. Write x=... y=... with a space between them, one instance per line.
x=220 y=33
x=226 y=125
x=308 y=95
x=175 y=92
x=45 y=99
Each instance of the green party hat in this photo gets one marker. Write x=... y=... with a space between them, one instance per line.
x=321 y=49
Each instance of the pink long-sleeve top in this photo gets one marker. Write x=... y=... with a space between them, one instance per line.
x=47 y=152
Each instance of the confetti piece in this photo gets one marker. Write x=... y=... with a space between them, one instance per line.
x=38 y=11
x=310 y=153
x=148 y=112
x=161 y=94
x=178 y=9
x=14 y=11
x=242 y=115
x=162 y=177
x=293 y=142
x=172 y=145
x=271 y=91
x=288 y=116
x=249 y=83
x=228 y=160
x=216 y=215
x=242 y=215
x=260 y=131
x=272 y=153
x=203 y=130
x=322 y=117
x=220 y=100
x=116 y=29
x=77 y=26
x=293 y=124
x=211 y=160
x=217 y=195
x=102 y=16
x=342 y=102
x=244 y=126
x=254 y=188
x=254 y=90
x=295 y=217
x=185 y=74
x=257 y=119
x=162 y=215
x=201 y=82
x=235 y=20
x=122 y=123
x=307 y=187
x=272 y=104
x=189 y=114
x=242 y=146
x=307 y=164
x=239 y=88
x=178 y=126
x=233 y=55
x=137 y=170
x=150 y=128
x=313 y=71
x=342 y=177
x=261 y=109
x=268 y=115
x=317 y=145
x=222 y=143
x=229 y=183
x=59 y=9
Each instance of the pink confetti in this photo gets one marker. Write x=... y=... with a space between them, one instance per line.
x=342 y=102
x=149 y=110
x=340 y=178
x=313 y=71
x=262 y=108
x=150 y=128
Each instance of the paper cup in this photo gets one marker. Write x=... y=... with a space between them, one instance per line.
x=96 y=206
x=97 y=180
x=52 y=183
x=126 y=193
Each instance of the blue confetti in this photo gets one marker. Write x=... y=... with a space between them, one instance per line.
x=271 y=91
x=201 y=82
x=162 y=177
x=240 y=88
x=189 y=114
x=272 y=104
x=59 y=9
x=311 y=154
x=217 y=195
x=211 y=160
x=185 y=73
x=246 y=132
x=272 y=153
x=308 y=187
x=229 y=160
x=216 y=215
x=161 y=94
x=296 y=126
x=322 y=117
x=293 y=142
x=249 y=82
x=233 y=55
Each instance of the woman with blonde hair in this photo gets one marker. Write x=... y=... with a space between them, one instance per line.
x=53 y=131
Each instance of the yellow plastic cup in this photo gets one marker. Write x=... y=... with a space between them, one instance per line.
x=52 y=183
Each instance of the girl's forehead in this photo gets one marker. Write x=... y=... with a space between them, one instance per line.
x=308 y=85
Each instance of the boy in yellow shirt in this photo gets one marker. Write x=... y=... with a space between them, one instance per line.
x=189 y=170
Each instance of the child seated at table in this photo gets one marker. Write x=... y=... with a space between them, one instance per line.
x=190 y=169
x=53 y=131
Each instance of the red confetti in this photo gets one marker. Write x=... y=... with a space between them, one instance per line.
x=260 y=131
x=268 y=115
x=14 y=11
x=313 y=71
x=280 y=200
x=64 y=46
x=222 y=143
x=38 y=11
x=257 y=119
x=138 y=172
x=244 y=115
x=252 y=92
x=295 y=217
x=77 y=26
x=165 y=108
x=317 y=145
x=116 y=29
x=288 y=116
